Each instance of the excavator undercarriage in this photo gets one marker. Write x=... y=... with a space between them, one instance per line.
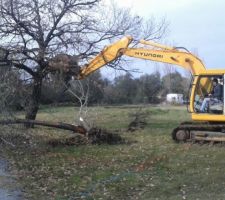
x=199 y=131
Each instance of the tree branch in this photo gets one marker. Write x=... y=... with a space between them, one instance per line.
x=25 y=68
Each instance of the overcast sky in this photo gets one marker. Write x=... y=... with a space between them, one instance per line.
x=198 y=25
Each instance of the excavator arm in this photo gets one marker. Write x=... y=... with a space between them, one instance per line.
x=107 y=55
x=151 y=51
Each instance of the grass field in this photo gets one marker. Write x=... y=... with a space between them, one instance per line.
x=148 y=166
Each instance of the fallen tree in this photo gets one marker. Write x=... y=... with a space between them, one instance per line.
x=93 y=135
x=60 y=125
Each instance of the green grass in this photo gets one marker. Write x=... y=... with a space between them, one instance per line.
x=150 y=166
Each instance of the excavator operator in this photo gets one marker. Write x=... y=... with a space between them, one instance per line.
x=216 y=96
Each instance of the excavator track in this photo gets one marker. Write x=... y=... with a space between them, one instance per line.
x=199 y=131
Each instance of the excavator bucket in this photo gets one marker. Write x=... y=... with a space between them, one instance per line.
x=65 y=63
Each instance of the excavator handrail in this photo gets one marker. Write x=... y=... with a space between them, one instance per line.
x=154 y=44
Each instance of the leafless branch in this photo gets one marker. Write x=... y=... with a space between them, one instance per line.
x=36 y=31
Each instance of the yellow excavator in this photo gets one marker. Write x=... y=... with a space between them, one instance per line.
x=207 y=111
x=207 y=124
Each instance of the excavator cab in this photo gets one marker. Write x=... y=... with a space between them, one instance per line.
x=205 y=99
x=207 y=109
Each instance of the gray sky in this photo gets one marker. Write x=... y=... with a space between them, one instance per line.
x=198 y=25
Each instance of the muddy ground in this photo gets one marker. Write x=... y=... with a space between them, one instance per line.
x=9 y=189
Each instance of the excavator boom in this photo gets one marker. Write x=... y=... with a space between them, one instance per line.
x=153 y=51
x=182 y=59
x=107 y=55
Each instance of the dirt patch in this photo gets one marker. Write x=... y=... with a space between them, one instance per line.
x=70 y=141
x=136 y=125
x=139 y=120
x=100 y=136
x=94 y=136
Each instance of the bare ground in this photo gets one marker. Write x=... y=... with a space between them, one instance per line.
x=8 y=187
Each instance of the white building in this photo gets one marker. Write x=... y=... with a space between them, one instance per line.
x=175 y=98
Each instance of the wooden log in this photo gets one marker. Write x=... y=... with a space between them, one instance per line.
x=59 y=125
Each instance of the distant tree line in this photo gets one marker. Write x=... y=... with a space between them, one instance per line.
x=124 y=89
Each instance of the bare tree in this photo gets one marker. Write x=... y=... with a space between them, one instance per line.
x=35 y=31
x=80 y=91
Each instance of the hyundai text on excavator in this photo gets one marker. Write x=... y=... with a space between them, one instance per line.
x=205 y=126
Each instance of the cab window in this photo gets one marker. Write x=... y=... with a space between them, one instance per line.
x=209 y=95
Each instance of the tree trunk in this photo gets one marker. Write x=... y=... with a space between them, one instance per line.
x=60 y=125
x=34 y=100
